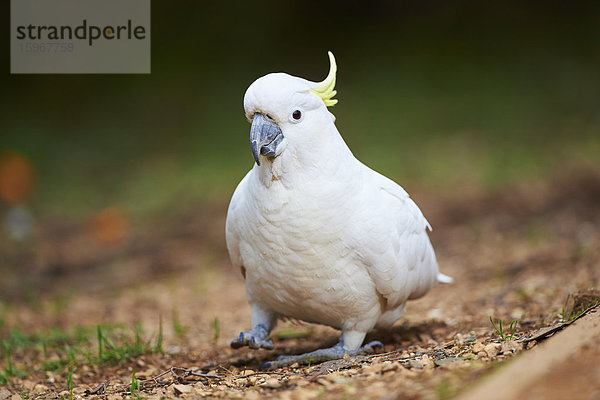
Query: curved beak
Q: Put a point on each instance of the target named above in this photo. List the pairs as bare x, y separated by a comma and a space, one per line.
265, 136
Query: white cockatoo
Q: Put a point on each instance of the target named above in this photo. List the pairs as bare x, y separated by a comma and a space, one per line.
319, 236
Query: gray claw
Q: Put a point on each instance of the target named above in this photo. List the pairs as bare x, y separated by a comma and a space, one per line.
370, 347
321, 355
266, 366
255, 339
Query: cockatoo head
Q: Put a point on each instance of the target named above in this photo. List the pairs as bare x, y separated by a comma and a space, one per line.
289, 113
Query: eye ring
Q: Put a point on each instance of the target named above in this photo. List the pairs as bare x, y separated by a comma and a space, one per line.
297, 115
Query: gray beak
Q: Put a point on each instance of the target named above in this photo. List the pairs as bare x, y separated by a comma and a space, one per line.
265, 136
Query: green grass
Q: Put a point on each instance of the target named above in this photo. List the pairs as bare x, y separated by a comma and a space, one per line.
116, 350
178, 328
64, 344
510, 334
216, 330
58, 350
158, 344
10, 370
69, 384
25, 394
135, 386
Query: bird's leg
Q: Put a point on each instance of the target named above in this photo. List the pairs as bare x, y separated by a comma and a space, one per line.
262, 323
348, 344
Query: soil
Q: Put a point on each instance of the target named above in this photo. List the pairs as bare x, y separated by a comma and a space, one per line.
514, 254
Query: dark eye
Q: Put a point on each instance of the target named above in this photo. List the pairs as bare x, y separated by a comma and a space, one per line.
297, 114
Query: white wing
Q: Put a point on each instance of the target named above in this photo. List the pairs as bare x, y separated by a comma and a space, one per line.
393, 242
235, 222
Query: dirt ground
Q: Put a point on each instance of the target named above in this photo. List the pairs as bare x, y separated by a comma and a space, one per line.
515, 254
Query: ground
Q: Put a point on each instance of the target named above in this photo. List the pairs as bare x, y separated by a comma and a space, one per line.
528, 253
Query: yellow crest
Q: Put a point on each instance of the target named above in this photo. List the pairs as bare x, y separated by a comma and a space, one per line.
325, 90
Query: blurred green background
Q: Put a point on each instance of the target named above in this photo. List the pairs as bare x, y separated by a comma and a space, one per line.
436, 94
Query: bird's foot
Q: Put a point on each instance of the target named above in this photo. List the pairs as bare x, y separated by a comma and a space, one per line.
318, 356
255, 339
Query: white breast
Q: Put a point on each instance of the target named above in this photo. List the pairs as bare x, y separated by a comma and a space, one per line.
297, 260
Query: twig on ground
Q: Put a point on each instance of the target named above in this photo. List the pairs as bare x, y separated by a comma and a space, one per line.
336, 365
99, 389
264, 373
178, 375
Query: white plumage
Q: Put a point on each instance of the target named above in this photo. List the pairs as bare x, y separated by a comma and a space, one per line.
319, 236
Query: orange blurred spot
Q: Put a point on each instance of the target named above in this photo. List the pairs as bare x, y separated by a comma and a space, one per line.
17, 178
109, 226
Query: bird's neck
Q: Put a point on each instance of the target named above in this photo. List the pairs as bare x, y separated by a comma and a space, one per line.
297, 166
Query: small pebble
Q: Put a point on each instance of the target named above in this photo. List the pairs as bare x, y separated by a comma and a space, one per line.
182, 389
492, 349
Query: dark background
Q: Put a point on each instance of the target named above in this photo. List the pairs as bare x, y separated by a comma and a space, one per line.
434, 94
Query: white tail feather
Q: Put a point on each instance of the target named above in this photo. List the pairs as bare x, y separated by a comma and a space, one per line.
444, 278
